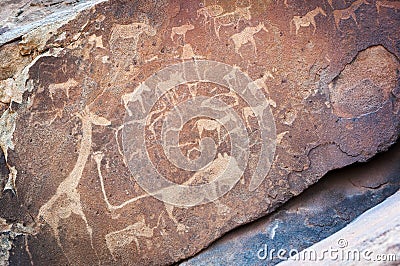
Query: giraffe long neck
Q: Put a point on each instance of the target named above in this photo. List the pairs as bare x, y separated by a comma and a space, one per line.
315, 12
72, 181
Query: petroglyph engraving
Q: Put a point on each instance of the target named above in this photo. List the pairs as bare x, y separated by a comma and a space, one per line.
98, 157
181, 31
66, 200
118, 239
128, 50
231, 18
210, 11
307, 20
53, 88
344, 14
246, 36
221, 117
260, 82
134, 96
208, 124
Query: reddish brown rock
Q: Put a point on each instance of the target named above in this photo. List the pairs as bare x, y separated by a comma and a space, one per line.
91, 87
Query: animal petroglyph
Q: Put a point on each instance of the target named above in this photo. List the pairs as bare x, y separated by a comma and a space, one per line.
129, 31
210, 102
181, 30
344, 14
307, 20
214, 115
387, 4
118, 239
214, 170
66, 200
231, 18
98, 157
132, 233
260, 82
210, 11
135, 96
208, 124
246, 36
53, 88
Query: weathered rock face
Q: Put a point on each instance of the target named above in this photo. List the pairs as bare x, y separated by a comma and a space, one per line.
87, 134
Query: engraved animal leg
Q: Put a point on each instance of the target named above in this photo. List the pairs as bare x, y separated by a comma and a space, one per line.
216, 28
314, 25
337, 20
297, 28
253, 42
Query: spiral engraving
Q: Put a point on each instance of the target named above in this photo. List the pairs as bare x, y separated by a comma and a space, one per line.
192, 129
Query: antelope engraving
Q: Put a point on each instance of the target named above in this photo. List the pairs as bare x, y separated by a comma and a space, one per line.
260, 82
210, 12
231, 18
246, 36
307, 20
130, 31
53, 88
118, 239
181, 30
344, 14
208, 124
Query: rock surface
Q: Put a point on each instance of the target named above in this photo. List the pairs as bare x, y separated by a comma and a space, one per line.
325, 95
320, 211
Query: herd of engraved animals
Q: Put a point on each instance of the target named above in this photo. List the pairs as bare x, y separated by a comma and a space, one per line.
219, 18
68, 191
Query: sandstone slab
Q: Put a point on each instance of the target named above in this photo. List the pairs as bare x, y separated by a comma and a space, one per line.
84, 176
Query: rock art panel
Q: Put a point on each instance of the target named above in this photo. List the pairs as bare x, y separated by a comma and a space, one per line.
139, 132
